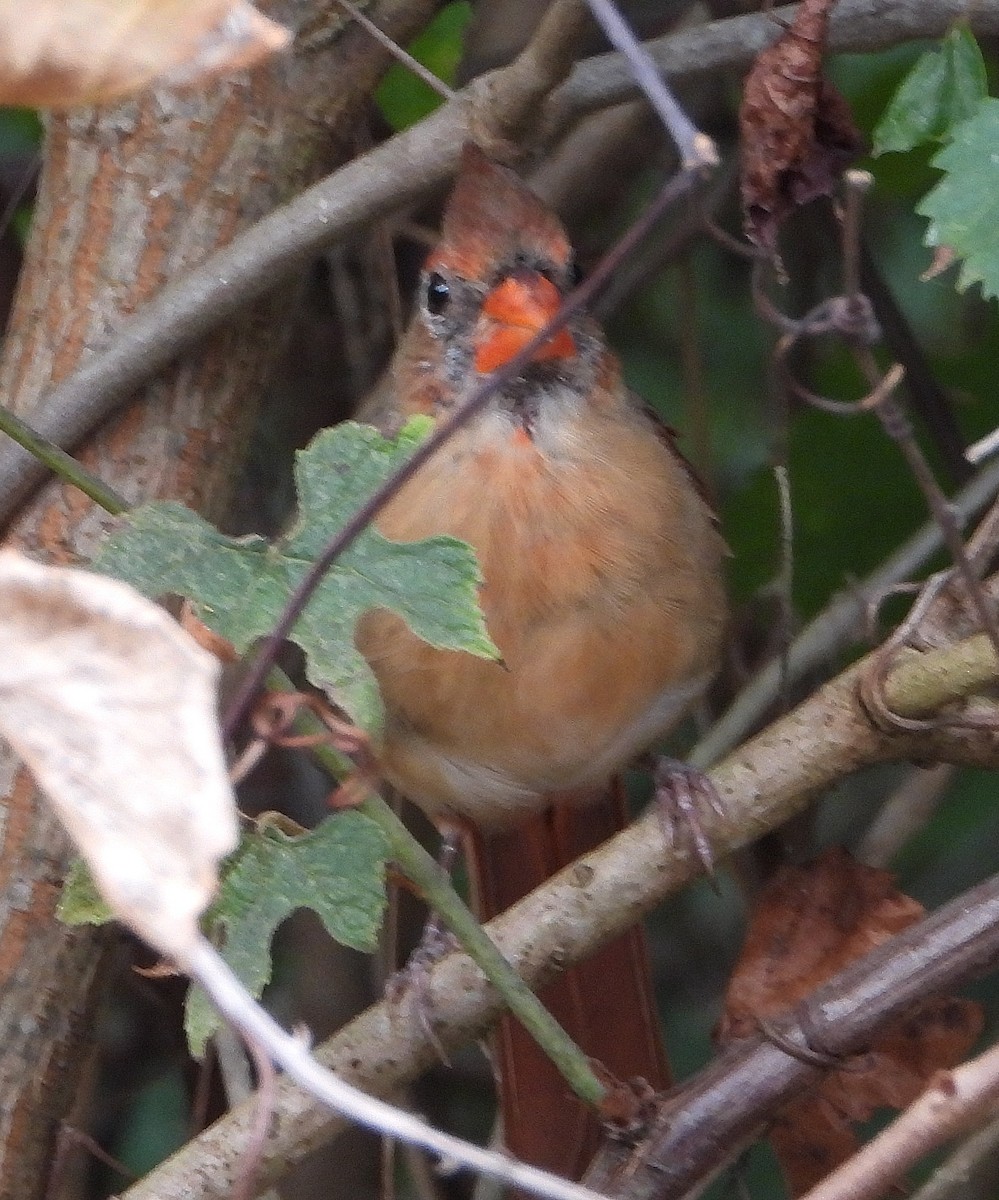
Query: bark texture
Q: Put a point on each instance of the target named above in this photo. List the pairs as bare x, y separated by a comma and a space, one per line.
129, 197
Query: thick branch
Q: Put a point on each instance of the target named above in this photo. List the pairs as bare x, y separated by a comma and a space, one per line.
855, 26
280, 243
402, 170
763, 784
841, 624
706, 1124
131, 196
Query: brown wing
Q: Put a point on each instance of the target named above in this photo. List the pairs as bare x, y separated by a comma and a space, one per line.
669, 437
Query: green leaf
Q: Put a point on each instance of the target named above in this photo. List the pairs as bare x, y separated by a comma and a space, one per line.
239, 586
81, 903
404, 98
338, 870
964, 206
944, 88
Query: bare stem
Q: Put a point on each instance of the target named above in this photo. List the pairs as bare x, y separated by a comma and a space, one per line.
397, 52
696, 149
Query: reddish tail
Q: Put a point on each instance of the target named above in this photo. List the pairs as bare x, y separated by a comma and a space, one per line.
606, 1004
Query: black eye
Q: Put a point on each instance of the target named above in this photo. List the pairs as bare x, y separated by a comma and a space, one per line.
575, 275
438, 293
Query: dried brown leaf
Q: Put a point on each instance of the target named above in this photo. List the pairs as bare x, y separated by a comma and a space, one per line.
60, 53
810, 923
112, 707
797, 130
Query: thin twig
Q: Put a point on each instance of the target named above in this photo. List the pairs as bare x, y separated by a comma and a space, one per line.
400, 172
929, 399
397, 52
766, 782
857, 185
955, 1102
244, 1187
898, 428
696, 149
64, 466
785, 578
667, 246
206, 965
984, 448
69, 1138
894, 420
904, 814
839, 625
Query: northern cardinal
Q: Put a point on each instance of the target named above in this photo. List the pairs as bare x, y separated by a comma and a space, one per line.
602, 589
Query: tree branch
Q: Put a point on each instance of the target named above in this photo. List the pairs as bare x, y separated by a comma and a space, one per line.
840, 624
401, 171
764, 783
131, 195
494, 108
954, 1102
715, 1115
855, 26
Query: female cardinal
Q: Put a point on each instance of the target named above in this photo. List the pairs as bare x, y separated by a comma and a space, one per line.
602, 590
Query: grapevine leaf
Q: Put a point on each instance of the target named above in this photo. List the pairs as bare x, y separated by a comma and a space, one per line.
338, 870
964, 206
944, 88
239, 586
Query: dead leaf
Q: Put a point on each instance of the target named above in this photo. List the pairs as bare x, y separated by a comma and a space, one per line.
61, 53
797, 132
112, 707
810, 923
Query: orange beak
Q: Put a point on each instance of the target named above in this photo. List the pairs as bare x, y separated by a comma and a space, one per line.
520, 307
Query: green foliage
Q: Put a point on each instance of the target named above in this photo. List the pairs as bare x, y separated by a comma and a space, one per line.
944, 98
337, 870
81, 903
157, 1124
239, 586
964, 206
944, 88
405, 99
20, 140
20, 131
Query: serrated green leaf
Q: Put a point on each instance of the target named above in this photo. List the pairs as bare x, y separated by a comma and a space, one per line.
944, 88
239, 586
964, 206
337, 870
81, 903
